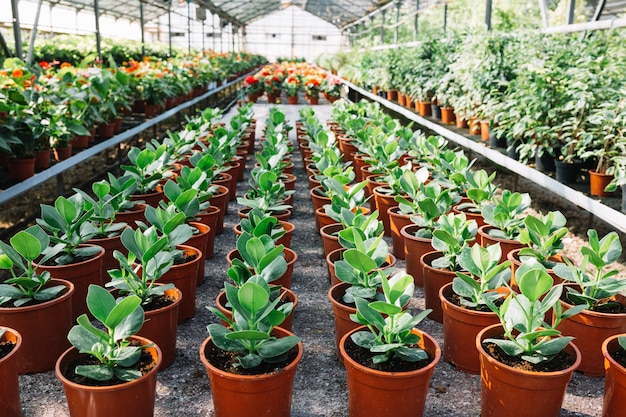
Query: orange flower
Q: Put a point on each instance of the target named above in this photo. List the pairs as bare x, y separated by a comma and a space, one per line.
65, 65
17, 73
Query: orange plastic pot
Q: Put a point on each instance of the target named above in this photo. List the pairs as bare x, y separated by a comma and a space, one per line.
10, 387
397, 221
135, 397
614, 402
598, 182
506, 391
460, 328
266, 394
82, 275
318, 198
199, 241
322, 219
184, 278
414, 248
373, 393
507, 245
220, 199
434, 279
109, 244
161, 326
210, 217
150, 199
341, 314
45, 324
280, 215
330, 238
131, 216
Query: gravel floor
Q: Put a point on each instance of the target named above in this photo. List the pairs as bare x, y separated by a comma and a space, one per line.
320, 390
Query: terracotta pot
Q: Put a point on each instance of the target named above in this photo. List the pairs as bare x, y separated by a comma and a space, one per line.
109, 244
397, 221
292, 99
131, 216
281, 215
322, 219
42, 160
284, 240
474, 126
184, 278
62, 153
135, 397
82, 275
234, 174
330, 239
151, 199
10, 388
106, 130
286, 294
470, 215
414, 249
284, 280
507, 245
341, 313
615, 382
408, 103
391, 95
289, 180
347, 147
199, 241
266, 394
161, 326
484, 131
401, 99
21, 168
79, 141
424, 108
45, 324
590, 329
461, 123
373, 393
506, 391
209, 217
598, 182
271, 98
220, 199
359, 161
118, 125
434, 279
151, 110
460, 328
447, 115
317, 197
373, 181
384, 201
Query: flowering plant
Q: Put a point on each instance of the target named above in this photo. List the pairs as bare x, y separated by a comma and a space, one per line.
312, 85
332, 86
292, 85
252, 84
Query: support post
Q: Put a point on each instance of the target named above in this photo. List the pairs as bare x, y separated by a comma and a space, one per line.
397, 29
571, 11
188, 25
17, 30
213, 31
445, 16
382, 28
415, 19
203, 36
96, 13
372, 29
4, 46
488, 9
143, 36
33, 34
544, 13
169, 27
232, 36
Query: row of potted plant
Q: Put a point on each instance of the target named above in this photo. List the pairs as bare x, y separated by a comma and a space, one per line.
539, 95
61, 106
158, 242
292, 78
523, 297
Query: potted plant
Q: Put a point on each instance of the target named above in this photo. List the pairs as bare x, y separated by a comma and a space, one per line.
147, 258
10, 344
37, 306
70, 257
613, 349
109, 367
292, 85
147, 167
523, 360
388, 361
465, 311
452, 233
595, 287
260, 354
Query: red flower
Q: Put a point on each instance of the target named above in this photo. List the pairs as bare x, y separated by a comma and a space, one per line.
44, 65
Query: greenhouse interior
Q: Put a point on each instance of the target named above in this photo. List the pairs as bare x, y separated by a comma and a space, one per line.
313, 208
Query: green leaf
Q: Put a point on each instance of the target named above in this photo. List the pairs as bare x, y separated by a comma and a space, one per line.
96, 372
100, 302
122, 310
276, 347
385, 308
26, 245
359, 260
535, 283
252, 297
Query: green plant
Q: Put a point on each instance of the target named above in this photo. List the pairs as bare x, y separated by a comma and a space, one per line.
258, 224
146, 166
452, 233
595, 284
104, 206
543, 235
147, 260
267, 193
67, 223
249, 332
485, 275
121, 189
429, 204
25, 284
505, 214
479, 188
116, 355
259, 257
389, 325
526, 334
